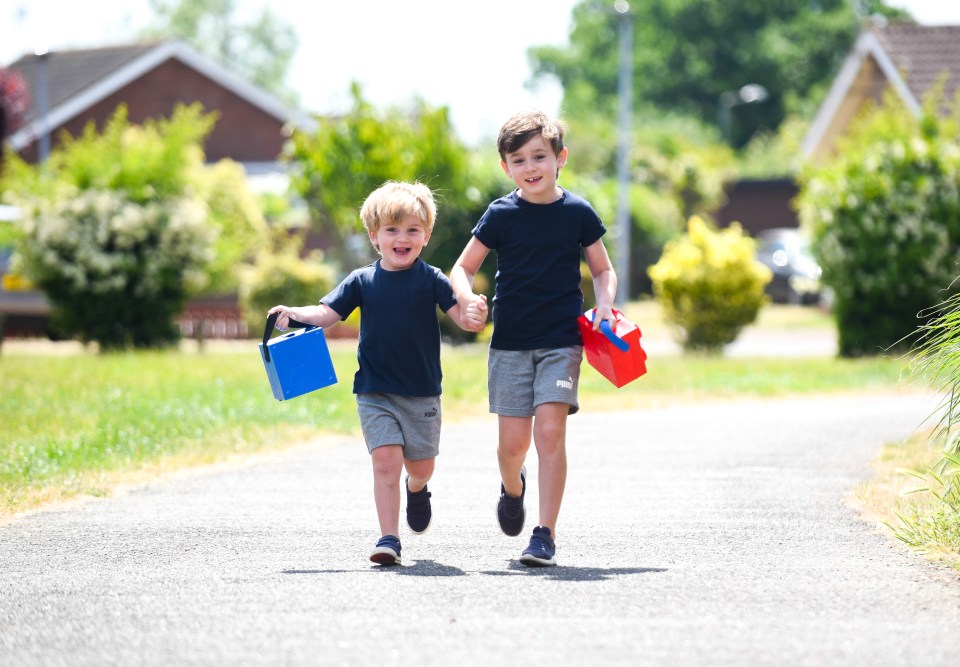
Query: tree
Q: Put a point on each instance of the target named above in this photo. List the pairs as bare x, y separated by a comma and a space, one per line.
687, 53
14, 100
260, 51
349, 156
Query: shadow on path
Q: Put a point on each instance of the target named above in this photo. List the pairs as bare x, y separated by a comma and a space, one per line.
516, 568
419, 568
429, 568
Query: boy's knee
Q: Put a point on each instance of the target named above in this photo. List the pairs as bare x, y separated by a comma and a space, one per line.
387, 460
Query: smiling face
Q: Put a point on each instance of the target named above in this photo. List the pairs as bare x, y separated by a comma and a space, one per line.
400, 243
534, 168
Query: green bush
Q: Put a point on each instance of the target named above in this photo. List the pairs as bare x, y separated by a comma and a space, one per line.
116, 272
118, 229
885, 216
282, 276
709, 285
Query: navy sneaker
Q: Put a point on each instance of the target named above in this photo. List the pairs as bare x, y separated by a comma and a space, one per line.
541, 551
387, 551
510, 511
419, 511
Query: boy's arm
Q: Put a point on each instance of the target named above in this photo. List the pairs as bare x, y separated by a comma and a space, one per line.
465, 269
604, 281
472, 307
320, 315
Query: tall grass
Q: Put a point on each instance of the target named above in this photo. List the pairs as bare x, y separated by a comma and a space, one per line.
935, 526
82, 423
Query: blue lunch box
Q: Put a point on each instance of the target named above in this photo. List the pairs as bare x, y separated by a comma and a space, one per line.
297, 362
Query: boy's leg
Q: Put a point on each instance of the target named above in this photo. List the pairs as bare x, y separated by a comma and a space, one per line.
387, 465
550, 438
512, 451
419, 510
419, 472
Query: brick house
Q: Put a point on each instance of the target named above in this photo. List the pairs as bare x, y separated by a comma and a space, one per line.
73, 87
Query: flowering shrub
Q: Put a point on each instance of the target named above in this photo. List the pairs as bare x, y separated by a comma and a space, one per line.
120, 225
709, 285
116, 272
885, 215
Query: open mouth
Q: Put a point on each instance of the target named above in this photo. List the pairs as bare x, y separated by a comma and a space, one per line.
401, 251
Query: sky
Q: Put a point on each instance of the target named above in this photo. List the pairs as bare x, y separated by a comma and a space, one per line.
470, 57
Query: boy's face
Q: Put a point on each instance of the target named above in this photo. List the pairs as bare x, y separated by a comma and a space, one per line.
400, 243
533, 167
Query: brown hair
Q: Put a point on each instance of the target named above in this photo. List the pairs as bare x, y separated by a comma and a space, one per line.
526, 125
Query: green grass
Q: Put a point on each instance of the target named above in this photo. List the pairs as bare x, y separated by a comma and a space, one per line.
81, 423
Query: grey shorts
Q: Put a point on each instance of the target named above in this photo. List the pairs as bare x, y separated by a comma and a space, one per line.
410, 421
520, 380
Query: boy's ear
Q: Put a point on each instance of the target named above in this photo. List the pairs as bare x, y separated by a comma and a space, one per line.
503, 165
562, 158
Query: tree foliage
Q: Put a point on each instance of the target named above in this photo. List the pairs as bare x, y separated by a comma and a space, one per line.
687, 53
885, 216
14, 101
677, 170
349, 156
260, 51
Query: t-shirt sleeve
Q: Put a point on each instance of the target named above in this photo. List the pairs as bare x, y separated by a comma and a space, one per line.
443, 291
591, 227
345, 297
485, 231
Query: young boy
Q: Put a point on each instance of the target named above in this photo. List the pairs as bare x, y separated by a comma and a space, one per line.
537, 231
398, 381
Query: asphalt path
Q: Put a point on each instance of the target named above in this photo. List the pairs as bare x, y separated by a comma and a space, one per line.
717, 533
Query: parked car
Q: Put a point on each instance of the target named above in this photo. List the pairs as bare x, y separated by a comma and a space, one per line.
796, 273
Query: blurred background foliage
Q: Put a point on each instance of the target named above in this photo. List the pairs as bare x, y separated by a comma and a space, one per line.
686, 55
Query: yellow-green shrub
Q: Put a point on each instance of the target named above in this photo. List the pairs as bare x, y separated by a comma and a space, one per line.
709, 285
283, 276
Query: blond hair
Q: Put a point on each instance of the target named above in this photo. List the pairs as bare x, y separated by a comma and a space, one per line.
395, 200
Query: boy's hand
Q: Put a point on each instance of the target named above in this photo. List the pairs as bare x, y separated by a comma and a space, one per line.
283, 320
475, 314
604, 313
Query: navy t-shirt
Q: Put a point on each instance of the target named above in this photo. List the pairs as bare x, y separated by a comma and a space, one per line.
538, 247
399, 347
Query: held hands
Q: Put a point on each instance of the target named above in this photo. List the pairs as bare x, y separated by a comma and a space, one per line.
475, 314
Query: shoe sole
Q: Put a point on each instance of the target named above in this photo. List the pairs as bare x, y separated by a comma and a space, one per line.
385, 556
420, 532
533, 561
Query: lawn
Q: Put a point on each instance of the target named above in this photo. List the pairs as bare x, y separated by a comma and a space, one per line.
73, 422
